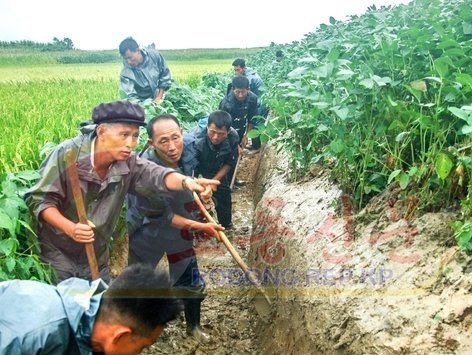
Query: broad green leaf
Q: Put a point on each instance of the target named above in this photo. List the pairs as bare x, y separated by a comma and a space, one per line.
464, 79
10, 264
6, 222
443, 165
321, 105
337, 146
332, 20
254, 133
448, 43
404, 180
344, 74
393, 175
466, 129
324, 71
467, 28
391, 102
413, 171
297, 116
454, 52
333, 54
367, 83
441, 65
298, 72
434, 78
28, 175
7, 246
9, 188
381, 81
342, 113
461, 113
419, 85
401, 136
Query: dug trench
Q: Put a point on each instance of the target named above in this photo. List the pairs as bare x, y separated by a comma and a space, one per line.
385, 279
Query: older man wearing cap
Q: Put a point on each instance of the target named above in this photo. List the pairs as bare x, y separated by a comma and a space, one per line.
108, 170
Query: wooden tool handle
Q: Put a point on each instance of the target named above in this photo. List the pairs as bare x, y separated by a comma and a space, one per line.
223, 236
79, 204
233, 179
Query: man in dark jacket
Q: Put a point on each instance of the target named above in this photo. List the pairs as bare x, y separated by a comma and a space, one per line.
150, 239
145, 74
108, 170
241, 104
217, 153
256, 85
78, 317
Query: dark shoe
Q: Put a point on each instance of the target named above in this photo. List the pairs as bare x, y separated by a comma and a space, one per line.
198, 334
229, 226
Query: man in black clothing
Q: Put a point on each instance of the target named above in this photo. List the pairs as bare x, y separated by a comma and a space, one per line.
217, 153
241, 104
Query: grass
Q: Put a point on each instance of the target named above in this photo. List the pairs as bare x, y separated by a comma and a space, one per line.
181, 70
26, 56
45, 103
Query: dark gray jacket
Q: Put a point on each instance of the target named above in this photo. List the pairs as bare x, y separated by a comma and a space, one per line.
144, 81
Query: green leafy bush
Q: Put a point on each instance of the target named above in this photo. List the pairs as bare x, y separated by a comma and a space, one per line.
18, 242
382, 98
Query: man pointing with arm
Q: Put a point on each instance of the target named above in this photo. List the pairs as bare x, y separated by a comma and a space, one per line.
108, 169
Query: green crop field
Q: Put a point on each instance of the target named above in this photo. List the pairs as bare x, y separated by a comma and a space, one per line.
44, 103
181, 70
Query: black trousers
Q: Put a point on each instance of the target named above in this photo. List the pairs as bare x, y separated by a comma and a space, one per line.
223, 202
188, 282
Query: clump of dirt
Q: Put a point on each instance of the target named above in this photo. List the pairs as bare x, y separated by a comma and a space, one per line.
379, 281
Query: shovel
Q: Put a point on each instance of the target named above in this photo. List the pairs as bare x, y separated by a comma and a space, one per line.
79, 204
263, 307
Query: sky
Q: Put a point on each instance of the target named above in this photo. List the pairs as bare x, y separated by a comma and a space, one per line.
173, 24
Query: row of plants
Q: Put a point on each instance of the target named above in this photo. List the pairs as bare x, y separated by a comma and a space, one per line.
383, 98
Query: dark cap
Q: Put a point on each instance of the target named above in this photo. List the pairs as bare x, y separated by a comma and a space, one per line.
121, 111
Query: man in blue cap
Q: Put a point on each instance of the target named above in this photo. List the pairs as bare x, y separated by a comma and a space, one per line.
108, 170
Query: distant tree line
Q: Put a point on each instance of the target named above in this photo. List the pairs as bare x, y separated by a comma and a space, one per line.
55, 45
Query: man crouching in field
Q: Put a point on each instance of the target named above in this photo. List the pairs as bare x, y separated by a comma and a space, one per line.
108, 170
78, 317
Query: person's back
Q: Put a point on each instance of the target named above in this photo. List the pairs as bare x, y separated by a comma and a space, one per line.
36, 317
81, 317
256, 85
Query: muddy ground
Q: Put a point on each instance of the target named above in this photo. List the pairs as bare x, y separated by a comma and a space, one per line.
228, 313
383, 280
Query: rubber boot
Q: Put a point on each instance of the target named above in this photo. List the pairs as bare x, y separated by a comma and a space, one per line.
192, 318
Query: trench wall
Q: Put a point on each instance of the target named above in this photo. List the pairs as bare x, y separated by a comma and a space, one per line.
354, 282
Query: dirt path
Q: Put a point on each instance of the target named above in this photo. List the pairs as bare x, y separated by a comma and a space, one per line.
228, 314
